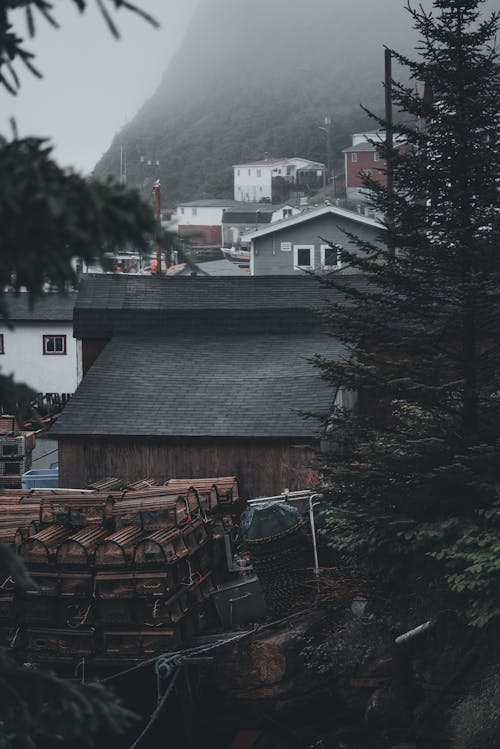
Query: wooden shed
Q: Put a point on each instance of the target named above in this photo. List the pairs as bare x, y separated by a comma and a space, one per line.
232, 360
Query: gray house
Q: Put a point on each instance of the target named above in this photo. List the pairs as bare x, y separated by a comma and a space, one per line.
301, 243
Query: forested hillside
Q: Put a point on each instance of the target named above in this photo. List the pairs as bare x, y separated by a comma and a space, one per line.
258, 77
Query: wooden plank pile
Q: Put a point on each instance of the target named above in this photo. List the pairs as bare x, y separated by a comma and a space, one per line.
119, 573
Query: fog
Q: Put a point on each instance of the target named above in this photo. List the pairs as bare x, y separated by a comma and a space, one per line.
92, 84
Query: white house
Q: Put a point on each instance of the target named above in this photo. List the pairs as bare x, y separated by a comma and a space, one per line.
40, 350
259, 179
211, 222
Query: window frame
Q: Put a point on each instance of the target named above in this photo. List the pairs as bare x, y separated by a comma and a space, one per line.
354, 157
45, 339
296, 248
322, 251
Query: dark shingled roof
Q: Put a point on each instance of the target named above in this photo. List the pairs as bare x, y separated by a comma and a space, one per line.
247, 217
48, 307
121, 305
202, 386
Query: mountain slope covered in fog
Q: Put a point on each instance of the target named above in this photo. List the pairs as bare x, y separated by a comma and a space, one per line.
254, 77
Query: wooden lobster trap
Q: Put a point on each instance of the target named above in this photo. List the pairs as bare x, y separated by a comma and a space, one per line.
195, 535
78, 549
40, 610
153, 584
40, 549
46, 584
117, 549
134, 643
106, 484
114, 585
6, 606
162, 611
76, 585
76, 511
156, 509
160, 548
60, 643
114, 611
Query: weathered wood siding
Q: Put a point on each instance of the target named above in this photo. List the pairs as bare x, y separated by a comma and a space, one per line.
265, 467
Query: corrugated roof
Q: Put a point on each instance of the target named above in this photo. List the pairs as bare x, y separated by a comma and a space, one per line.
202, 386
48, 307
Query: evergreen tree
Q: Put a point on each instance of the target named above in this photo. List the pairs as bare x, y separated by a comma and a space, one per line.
48, 216
414, 470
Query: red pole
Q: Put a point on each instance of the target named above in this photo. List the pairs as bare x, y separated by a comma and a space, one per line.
157, 196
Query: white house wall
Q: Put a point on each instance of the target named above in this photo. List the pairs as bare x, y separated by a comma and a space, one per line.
252, 183
199, 215
24, 357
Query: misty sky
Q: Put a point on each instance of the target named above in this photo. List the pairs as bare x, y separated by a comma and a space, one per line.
93, 84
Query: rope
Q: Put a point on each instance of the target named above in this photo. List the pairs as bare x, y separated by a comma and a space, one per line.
167, 669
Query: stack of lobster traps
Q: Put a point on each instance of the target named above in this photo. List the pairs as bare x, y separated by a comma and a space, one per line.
118, 573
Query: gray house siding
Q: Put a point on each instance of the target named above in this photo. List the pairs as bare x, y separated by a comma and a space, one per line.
276, 253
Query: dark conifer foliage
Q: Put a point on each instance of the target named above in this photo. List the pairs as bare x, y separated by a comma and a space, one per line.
414, 469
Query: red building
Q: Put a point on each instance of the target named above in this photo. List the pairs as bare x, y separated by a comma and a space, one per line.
363, 158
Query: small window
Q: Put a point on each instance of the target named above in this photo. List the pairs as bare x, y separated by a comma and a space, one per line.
303, 256
331, 256
238, 172
54, 344
182, 210
354, 157
195, 211
287, 212
249, 172
376, 156
289, 170
2, 349
259, 172
9, 451
12, 469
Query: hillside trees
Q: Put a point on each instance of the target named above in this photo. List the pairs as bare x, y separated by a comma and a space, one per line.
414, 471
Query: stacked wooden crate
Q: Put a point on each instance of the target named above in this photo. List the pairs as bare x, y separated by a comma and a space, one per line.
16, 447
118, 573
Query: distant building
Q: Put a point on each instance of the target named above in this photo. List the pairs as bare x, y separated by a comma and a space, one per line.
216, 223
363, 158
303, 242
40, 350
276, 179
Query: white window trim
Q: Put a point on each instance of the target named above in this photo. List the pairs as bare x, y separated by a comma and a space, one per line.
322, 250
354, 157
296, 249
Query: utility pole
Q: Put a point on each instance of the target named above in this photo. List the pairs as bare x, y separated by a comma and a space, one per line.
157, 202
326, 129
389, 138
389, 130
123, 165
